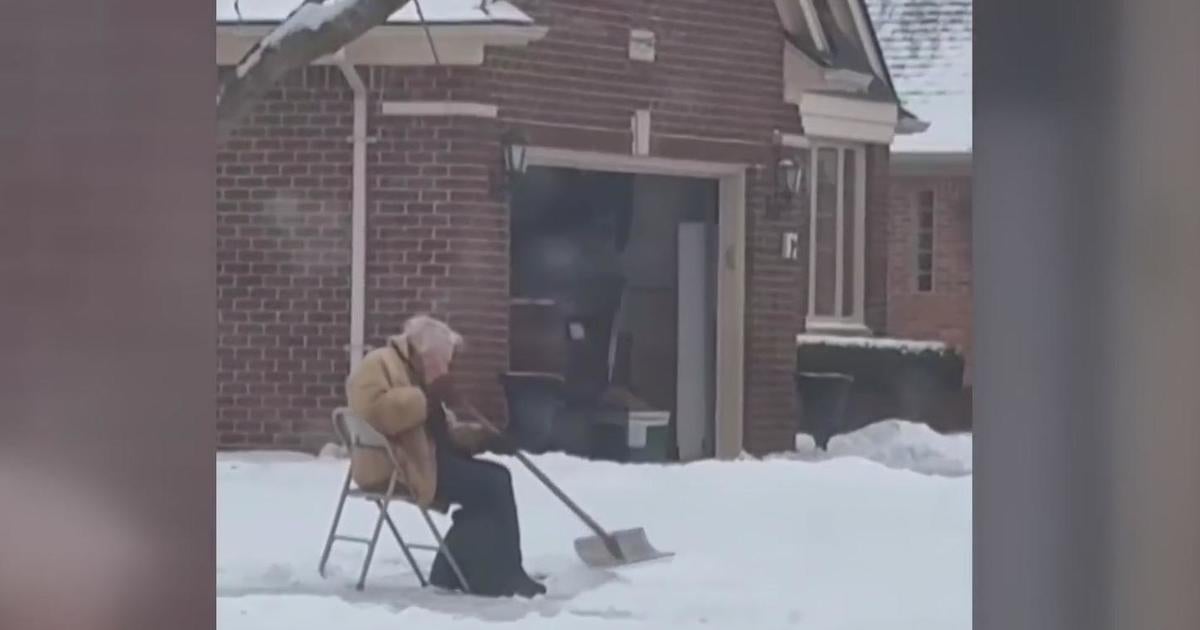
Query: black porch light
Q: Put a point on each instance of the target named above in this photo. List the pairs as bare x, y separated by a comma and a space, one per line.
788, 178
514, 149
791, 177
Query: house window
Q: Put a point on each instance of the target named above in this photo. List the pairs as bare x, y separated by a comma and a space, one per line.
837, 191
924, 260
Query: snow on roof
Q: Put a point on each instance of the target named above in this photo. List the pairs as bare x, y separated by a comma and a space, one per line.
928, 46
904, 345
436, 11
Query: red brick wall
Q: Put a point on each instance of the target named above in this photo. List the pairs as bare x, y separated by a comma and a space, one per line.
878, 279
717, 72
715, 93
437, 233
283, 190
944, 313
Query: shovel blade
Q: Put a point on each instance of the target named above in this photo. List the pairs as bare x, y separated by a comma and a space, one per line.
632, 544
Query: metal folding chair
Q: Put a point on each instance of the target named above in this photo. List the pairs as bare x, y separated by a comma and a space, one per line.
357, 435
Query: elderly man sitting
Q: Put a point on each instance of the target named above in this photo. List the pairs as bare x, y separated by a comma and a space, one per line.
405, 391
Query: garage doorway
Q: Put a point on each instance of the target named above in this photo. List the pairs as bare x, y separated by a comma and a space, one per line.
614, 285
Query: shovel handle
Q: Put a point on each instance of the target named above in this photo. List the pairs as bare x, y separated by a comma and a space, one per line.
609, 541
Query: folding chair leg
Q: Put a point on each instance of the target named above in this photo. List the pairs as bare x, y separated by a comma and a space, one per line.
412, 561
337, 517
446, 550
383, 514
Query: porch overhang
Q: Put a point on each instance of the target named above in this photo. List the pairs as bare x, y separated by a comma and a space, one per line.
846, 118
396, 44
833, 103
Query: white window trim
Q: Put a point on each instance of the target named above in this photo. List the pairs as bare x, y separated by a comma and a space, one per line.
856, 320
815, 28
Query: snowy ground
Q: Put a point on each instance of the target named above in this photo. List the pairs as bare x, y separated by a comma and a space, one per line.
836, 544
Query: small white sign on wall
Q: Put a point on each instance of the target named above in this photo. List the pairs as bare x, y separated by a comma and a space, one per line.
641, 45
791, 246
640, 126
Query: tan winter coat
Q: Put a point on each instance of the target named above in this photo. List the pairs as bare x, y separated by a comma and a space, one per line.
387, 394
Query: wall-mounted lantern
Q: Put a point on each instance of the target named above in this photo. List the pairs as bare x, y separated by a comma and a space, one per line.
791, 173
788, 179
514, 154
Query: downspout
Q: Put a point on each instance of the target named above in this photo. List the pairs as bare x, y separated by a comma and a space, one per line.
358, 212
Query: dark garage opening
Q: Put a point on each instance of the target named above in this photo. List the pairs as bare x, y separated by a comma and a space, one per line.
613, 314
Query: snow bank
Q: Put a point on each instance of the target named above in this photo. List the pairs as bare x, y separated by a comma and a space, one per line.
436, 11
762, 544
896, 444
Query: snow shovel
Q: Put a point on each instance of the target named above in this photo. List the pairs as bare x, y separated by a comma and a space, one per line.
605, 549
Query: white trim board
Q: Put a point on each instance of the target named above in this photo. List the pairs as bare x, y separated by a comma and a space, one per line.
863, 26
816, 30
439, 108
835, 117
731, 274
832, 115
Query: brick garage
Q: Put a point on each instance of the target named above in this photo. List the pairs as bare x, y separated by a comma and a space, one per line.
437, 229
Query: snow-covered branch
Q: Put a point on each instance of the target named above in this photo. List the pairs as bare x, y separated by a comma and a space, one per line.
313, 30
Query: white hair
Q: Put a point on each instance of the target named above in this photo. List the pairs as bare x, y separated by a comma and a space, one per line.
431, 335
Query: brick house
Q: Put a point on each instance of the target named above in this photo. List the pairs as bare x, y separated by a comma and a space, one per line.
712, 133
928, 44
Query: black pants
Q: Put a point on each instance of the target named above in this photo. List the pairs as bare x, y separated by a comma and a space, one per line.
485, 538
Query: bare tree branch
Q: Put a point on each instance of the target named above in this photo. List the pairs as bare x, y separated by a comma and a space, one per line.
313, 30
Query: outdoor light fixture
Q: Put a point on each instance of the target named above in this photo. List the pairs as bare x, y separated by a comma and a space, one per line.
789, 184
791, 175
514, 149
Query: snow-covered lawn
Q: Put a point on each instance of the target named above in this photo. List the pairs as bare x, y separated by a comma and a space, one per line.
835, 544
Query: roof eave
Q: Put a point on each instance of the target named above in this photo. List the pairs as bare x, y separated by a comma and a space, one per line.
392, 44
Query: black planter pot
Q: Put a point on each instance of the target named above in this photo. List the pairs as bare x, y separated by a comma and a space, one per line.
823, 399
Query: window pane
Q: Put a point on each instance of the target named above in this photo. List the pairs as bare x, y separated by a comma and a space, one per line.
925, 209
924, 262
925, 283
826, 232
849, 208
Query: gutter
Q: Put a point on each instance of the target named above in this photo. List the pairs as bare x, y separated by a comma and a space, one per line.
358, 213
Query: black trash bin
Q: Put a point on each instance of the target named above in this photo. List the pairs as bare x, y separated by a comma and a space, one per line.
535, 401
823, 397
